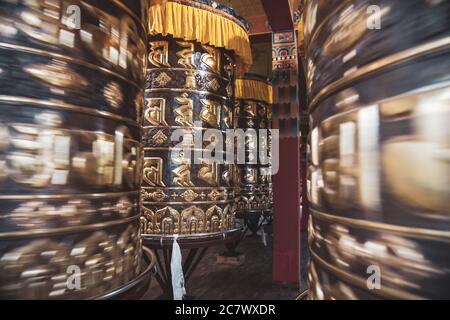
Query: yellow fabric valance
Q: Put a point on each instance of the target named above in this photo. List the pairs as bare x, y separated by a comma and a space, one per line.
191, 23
254, 90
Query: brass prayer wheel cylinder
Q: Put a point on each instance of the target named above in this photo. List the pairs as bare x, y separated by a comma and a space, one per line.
71, 98
188, 191
253, 111
379, 179
189, 88
343, 37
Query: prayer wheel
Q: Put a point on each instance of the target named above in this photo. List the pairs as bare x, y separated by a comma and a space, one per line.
379, 174
72, 79
188, 191
346, 37
253, 115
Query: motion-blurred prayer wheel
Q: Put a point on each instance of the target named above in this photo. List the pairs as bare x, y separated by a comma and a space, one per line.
253, 115
379, 176
188, 191
71, 97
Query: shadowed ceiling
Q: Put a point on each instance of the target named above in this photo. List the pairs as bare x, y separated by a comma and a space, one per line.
281, 14
252, 11
245, 8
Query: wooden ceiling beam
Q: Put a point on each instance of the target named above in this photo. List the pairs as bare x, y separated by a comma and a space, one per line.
278, 14
261, 37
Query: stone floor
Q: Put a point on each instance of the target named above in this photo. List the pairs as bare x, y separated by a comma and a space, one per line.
250, 281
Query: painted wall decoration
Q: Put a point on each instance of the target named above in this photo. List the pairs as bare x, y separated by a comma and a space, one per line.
285, 78
284, 50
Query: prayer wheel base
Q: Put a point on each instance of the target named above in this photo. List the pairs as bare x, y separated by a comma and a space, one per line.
154, 241
136, 288
197, 245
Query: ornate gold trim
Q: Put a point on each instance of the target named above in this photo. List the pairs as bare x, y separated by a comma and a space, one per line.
198, 236
186, 90
186, 128
181, 149
162, 203
187, 70
184, 188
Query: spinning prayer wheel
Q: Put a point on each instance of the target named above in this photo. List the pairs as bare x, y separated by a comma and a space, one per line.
379, 175
343, 37
253, 112
71, 98
189, 106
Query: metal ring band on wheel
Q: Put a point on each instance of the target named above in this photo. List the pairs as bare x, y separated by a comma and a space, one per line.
138, 286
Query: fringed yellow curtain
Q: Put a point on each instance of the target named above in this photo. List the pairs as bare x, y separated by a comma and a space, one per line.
254, 89
189, 23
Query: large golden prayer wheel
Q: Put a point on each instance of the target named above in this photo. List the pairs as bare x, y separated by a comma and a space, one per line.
253, 112
71, 98
379, 175
190, 90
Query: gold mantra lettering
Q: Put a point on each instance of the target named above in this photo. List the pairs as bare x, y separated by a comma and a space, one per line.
184, 113
211, 59
182, 176
209, 173
153, 172
187, 55
155, 112
159, 54
210, 112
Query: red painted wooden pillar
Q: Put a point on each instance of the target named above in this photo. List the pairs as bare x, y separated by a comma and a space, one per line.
286, 223
286, 183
